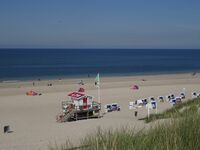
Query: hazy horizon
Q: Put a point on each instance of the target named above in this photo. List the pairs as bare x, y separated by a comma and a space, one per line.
173, 24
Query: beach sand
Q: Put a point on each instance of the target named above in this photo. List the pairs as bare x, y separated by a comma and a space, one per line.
33, 119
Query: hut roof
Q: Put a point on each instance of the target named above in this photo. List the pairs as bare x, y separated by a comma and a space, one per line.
76, 94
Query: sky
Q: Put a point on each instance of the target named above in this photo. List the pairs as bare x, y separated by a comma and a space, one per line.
100, 24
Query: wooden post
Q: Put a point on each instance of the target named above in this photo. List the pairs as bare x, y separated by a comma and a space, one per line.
99, 110
87, 113
148, 110
76, 114
156, 107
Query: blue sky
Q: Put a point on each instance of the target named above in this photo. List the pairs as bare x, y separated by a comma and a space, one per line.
99, 23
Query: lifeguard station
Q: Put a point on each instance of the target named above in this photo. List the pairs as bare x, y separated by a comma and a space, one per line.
79, 106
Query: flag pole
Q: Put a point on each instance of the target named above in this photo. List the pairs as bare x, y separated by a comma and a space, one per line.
99, 94
99, 98
97, 83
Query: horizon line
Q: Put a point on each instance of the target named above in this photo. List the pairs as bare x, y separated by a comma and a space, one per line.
100, 48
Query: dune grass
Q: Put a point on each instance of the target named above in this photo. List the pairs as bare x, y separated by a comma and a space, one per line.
190, 106
182, 132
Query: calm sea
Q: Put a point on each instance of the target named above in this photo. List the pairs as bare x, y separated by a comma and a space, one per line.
24, 64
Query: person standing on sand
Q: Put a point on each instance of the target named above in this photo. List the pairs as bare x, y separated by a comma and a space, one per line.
136, 113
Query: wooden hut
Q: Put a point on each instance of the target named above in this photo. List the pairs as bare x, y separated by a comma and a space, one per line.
79, 106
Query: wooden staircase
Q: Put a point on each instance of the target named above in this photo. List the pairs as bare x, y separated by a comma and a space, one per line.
69, 115
64, 117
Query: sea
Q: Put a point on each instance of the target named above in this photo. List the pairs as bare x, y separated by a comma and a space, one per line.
37, 64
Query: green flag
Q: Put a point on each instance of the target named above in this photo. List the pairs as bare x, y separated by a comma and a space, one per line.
97, 80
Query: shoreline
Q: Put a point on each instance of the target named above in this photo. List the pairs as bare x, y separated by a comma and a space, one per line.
68, 78
56, 77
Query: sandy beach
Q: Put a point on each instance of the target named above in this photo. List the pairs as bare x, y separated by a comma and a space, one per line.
33, 118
